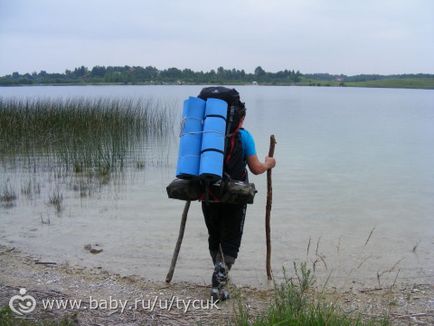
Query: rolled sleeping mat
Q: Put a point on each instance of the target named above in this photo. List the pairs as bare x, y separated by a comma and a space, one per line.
190, 138
213, 140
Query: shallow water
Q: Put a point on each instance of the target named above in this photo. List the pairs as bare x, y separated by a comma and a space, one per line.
350, 160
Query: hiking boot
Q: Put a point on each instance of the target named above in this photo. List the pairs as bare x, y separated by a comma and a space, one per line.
224, 294
219, 281
215, 294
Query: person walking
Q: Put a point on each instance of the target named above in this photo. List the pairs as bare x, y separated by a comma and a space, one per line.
225, 221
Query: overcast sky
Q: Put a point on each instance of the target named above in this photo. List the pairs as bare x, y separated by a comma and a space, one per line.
336, 36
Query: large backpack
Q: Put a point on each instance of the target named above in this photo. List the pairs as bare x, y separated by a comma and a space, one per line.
234, 186
234, 163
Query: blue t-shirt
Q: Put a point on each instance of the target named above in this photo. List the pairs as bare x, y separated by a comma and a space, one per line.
248, 143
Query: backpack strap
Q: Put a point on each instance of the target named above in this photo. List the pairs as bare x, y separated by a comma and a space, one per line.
231, 137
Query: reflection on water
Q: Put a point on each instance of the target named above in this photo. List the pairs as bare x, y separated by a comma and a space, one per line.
352, 163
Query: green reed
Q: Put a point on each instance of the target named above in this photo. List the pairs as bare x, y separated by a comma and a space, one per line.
80, 133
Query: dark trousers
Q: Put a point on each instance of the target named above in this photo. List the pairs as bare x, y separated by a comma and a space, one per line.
225, 224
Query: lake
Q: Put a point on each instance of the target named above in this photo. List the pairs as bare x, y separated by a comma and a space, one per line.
353, 191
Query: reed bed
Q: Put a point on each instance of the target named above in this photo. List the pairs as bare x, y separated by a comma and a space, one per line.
80, 133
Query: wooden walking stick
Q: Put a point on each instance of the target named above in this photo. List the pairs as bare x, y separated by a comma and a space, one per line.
268, 209
178, 242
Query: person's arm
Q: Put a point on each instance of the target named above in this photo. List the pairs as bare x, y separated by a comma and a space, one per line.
257, 167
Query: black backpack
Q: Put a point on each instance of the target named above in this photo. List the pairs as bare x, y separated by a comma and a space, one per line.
234, 163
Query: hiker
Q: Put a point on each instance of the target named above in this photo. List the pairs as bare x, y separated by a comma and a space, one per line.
225, 221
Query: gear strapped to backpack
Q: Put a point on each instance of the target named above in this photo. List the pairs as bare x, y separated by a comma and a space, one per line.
194, 182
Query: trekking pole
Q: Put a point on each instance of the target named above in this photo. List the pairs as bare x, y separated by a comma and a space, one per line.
268, 210
178, 242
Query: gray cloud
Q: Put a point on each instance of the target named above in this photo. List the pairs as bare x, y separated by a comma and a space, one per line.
312, 36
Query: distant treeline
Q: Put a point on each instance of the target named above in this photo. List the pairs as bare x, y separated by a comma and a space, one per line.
152, 75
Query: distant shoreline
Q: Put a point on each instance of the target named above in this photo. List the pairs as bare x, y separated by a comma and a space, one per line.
136, 75
397, 84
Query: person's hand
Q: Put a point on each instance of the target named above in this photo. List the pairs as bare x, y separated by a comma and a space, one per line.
270, 162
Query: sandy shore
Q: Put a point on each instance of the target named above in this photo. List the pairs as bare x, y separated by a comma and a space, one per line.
404, 303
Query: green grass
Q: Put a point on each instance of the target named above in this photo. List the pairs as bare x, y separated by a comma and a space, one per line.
7, 318
7, 194
418, 83
314, 82
80, 134
295, 303
425, 83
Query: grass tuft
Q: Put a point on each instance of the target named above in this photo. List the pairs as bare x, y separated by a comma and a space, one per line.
8, 196
295, 303
7, 318
56, 200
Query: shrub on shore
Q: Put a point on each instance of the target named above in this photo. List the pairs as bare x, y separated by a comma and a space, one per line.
295, 303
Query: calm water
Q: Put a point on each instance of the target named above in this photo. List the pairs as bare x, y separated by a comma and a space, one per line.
349, 161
